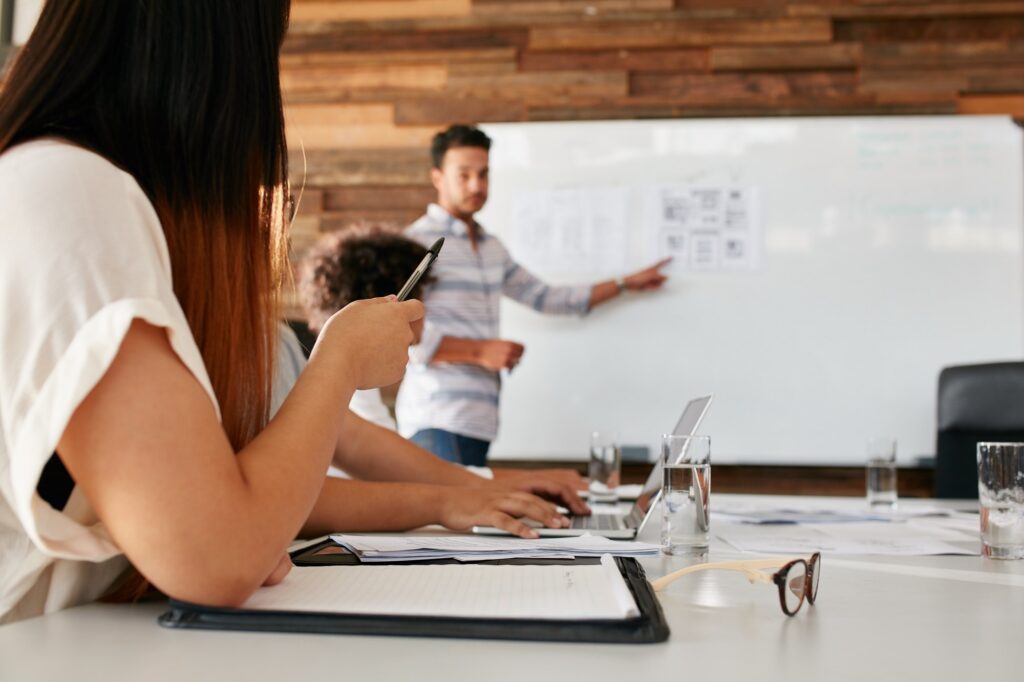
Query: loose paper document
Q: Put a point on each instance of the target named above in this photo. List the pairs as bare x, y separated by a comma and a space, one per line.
706, 227
572, 230
390, 548
813, 512
592, 592
848, 538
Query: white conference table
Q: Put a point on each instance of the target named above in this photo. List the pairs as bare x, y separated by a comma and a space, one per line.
887, 618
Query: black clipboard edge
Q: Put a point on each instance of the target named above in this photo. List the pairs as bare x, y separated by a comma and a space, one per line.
649, 628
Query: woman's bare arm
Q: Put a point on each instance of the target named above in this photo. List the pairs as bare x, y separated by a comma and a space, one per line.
200, 522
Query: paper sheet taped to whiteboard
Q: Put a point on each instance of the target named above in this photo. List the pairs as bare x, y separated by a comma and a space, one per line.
706, 228
579, 230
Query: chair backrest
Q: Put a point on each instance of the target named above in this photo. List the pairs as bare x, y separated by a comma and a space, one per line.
976, 403
307, 339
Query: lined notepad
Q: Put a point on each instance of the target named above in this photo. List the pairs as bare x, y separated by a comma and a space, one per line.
569, 592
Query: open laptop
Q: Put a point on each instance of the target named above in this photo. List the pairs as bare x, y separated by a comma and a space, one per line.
623, 526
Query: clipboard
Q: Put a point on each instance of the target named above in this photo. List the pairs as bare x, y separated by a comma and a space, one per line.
649, 627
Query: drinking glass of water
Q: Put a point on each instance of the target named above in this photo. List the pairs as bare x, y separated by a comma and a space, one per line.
686, 494
1001, 493
881, 474
605, 466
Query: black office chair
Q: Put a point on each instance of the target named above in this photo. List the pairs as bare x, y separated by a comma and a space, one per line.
977, 403
306, 337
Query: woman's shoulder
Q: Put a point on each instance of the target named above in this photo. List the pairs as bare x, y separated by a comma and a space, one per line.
54, 188
49, 161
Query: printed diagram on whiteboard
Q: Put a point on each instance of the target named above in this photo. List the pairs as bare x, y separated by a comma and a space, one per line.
706, 228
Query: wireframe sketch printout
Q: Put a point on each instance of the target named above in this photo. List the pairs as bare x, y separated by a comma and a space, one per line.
588, 592
706, 228
574, 230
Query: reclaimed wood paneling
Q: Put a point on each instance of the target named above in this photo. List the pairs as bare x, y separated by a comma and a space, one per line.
368, 82
788, 58
496, 8
337, 59
442, 111
348, 167
339, 220
951, 81
945, 30
541, 85
888, 10
942, 55
404, 40
763, 88
681, 33
414, 197
377, 77
648, 108
671, 60
992, 104
327, 10
350, 126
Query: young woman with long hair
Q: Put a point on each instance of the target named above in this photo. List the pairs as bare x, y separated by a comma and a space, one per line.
143, 171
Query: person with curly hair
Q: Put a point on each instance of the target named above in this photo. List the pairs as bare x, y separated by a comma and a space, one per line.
370, 260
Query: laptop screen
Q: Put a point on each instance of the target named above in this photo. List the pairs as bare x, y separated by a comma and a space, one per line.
687, 425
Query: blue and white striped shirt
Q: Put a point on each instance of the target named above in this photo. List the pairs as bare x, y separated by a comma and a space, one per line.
464, 302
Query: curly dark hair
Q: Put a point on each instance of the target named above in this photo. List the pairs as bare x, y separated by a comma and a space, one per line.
364, 261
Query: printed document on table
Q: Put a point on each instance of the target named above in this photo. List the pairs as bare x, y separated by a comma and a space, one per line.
896, 539
391, 548
590, 592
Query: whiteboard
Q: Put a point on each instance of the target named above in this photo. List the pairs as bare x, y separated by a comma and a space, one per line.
885, 249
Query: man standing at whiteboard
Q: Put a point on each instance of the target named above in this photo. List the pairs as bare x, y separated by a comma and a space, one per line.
448, 403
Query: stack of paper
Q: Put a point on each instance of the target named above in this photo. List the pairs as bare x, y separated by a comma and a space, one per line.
391, 548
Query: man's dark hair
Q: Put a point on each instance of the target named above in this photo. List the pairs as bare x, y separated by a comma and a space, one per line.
459, 135
364, 261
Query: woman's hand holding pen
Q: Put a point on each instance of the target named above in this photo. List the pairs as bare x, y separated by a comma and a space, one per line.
369, 340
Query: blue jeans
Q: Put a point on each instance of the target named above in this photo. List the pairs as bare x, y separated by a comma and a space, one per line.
452, 447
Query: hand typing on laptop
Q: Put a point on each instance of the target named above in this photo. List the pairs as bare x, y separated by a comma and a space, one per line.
510, 511
552, 490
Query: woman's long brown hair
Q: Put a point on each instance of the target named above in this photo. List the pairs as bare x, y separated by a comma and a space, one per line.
184, 95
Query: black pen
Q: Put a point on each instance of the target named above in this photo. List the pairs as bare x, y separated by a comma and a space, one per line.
421, 269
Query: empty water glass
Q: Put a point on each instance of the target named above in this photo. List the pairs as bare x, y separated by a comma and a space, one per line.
1001, 493
605, 466
881, 473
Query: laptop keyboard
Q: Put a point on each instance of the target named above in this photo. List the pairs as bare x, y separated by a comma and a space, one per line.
596, 522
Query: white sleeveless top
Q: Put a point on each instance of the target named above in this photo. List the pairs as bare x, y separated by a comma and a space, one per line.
82, 255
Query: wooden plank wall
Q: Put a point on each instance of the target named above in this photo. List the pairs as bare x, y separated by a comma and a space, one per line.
368, 82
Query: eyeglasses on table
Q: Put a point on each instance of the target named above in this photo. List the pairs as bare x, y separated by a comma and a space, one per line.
797, 579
